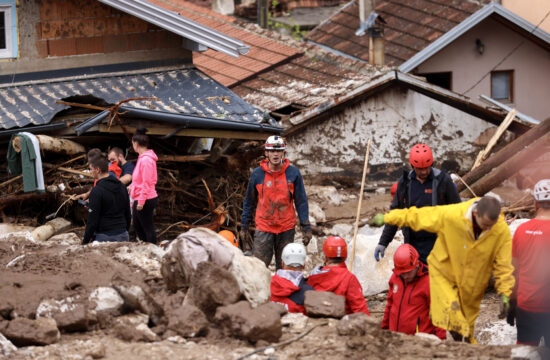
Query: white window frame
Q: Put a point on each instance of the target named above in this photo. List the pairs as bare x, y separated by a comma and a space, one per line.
8, 51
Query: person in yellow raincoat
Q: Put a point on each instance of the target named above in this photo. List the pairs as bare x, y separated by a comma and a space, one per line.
473, 239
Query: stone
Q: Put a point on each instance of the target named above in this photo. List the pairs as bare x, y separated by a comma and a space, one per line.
380, 191
213, 286
326, 193
242, 321
65, 239
131, 333
524, 352
6, 308
107, 301
135, 298
6, 347
253, 277
429, 337
295, 321
324, 304
70, 314
355, 324
26, 332
316, 212
146, 257
188, 321
132, 319
342, 230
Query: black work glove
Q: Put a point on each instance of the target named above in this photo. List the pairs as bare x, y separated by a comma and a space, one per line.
511, 316
243, 234
307, 235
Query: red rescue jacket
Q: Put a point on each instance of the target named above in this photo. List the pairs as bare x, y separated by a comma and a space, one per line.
408, 306
288, 288
338, 279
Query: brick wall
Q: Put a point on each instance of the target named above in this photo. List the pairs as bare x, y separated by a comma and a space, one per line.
76, 27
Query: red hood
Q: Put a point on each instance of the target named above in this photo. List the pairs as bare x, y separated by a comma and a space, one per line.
265, 167
282, 287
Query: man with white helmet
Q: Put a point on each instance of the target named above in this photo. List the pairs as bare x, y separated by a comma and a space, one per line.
530, 254
288, 285
275, 187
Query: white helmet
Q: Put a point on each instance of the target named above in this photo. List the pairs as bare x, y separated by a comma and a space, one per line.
294, 255
275, 142
542, 190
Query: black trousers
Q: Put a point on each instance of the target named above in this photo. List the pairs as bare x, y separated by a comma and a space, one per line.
143, 221
532, 326
265, 244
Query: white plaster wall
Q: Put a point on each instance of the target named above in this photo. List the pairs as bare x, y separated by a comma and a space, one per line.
395, 120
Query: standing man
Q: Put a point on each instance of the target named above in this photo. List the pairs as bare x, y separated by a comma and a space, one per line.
116, 155
423, 186
473, 240
109, 206
275, 187
530, 255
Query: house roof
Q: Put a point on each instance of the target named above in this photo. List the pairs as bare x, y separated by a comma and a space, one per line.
411, 26
321, 110
184, 91
181, 25
264, 53
492, 9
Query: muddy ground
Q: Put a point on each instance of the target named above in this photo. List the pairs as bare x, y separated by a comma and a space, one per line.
31, 273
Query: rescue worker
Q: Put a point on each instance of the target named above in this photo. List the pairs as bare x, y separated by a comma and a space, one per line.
423, 186
408, 303
288, 285
473, 240
530, 254
334, 276
275, 187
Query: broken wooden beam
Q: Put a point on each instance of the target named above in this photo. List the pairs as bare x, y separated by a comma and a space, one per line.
72, 171
15, 199
509, 167
505, 153
183, 158
52, 144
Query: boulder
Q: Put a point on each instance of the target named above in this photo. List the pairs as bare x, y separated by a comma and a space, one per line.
70, 314
106, 301
6, 308
135, 298
242, 321
213, 286
6, 347
130, 333
355, 324
188, 321
25, 332
324, 304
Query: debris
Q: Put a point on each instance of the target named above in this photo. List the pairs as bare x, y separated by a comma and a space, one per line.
324, 304
137, 299
355, 324
46, 231
132, 333
52, 144
325, 193
107, 301
188, 321
6, 347
70, 314
65, 239
25, 332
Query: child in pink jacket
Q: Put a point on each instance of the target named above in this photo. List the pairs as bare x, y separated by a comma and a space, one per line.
142, 189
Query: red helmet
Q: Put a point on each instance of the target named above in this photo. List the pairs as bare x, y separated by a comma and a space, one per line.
393, 189
335, 247
405, 259
421, 156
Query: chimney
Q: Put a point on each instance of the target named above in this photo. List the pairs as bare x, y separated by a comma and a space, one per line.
263, 13
224, 7
373, 24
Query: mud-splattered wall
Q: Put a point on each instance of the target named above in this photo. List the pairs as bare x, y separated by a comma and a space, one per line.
394, 119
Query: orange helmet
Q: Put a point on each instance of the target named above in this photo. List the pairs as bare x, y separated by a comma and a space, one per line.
421, 156
405, 259
393, 189
335, 247
229, 236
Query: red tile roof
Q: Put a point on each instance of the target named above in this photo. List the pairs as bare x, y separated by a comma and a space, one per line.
411, 26
264, 52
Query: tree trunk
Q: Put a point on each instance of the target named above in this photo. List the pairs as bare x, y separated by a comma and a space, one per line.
504, 154
10, 199
49, 229
56, 145
509, 167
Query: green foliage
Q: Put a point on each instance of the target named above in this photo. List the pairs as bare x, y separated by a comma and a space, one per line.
293, 30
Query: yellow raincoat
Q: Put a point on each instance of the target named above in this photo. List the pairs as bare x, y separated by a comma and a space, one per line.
460, 266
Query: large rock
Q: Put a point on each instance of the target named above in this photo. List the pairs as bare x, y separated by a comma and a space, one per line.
6, 347
6, 308
355, 324
147, 257
135, 298
213, 286
106, 301
242, 321
25, 332
70, 314
324, 304
188, 321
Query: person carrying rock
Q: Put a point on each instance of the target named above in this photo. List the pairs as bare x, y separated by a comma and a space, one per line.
473, 240
530, 257
423, 186
288, 285
335, 277
275, 187
109, 207
408, 302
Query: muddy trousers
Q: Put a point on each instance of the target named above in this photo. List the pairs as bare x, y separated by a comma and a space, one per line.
265, 244
143, 221
532, 327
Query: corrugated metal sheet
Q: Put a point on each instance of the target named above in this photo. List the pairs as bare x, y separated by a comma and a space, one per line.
185, 91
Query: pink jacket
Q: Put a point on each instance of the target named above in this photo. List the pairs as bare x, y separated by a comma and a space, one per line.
144, 178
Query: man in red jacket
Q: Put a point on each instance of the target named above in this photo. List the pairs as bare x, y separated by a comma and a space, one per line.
335, 276
408, 307
288, 285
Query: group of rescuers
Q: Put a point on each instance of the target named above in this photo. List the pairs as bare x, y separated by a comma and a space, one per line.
441, 271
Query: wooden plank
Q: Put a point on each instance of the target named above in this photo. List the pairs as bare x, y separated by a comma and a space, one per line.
203, 133
72, 171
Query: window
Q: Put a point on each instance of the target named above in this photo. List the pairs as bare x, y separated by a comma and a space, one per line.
502, 85
442, 79
7, 35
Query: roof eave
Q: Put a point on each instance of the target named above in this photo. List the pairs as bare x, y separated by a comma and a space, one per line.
180, 25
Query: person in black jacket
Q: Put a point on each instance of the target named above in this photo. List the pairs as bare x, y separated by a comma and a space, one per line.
422, 186
109, 206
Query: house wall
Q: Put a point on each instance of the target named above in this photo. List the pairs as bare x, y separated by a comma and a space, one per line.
532, 11
531, 65
59, 34
394, 119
